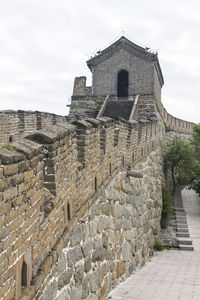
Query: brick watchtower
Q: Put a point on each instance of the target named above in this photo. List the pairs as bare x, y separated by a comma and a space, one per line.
122, 70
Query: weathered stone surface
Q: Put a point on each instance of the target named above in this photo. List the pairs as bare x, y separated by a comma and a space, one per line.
77, 235
87, 264
126, 251
86, 289
93, 228
93, 281
61, 263
78, 275
64, 278
106, 244
76, 293
63, 296
74, 255
120, 269
97, 242
105, 240
87, 247
101, 254
50, 291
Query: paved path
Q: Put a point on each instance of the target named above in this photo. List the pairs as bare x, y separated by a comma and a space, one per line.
172, 274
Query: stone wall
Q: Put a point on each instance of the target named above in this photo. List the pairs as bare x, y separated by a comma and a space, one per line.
49, 181
114, 237
15, 124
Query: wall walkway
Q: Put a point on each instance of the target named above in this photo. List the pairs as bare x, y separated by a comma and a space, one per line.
171, 274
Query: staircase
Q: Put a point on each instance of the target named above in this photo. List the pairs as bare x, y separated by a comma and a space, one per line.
176, 235
183, 235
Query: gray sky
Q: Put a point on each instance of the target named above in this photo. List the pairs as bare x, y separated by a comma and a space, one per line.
44, 44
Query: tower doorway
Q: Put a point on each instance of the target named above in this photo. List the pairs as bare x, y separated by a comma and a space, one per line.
122, 83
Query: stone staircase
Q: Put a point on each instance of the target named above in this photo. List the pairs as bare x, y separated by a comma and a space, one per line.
183, 235
176, 235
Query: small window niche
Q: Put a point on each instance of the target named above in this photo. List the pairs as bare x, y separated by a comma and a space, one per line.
68, 212
95, 184
24, 275
110, 168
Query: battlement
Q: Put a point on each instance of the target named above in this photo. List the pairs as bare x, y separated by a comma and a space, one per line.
15, 124
49, 180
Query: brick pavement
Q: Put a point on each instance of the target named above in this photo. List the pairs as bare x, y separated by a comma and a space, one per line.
171, 274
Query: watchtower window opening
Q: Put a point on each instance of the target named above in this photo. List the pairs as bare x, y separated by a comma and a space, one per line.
122, 83
68, 212
95, 184
24, 274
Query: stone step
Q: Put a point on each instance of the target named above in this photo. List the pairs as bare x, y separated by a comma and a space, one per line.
181, 221
179, 209
186, 247
180, 213
181, 225
183, 234
181, 218
182, 229
183, 241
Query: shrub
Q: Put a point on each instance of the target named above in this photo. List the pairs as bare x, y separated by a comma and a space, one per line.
158, 245
167, 192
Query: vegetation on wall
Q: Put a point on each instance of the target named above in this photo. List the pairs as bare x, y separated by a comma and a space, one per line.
178, 161
177, 170
194, 176
167, 194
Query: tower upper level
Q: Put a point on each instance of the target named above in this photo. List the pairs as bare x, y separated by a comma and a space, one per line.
123, 69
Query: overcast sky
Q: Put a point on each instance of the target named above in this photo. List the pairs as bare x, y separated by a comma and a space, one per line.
44, 45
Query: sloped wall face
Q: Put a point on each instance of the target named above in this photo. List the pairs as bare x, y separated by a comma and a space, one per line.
140, 74
49, 181
113, 238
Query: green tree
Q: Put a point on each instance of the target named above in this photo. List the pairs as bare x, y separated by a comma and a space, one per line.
194, 178
178, 160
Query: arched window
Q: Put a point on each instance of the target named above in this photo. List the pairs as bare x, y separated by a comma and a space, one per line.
24, 274
122, 83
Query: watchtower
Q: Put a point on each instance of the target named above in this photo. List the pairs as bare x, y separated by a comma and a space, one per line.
121, 71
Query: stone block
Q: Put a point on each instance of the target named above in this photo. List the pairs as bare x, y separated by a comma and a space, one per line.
63, 295
10, 169
120, 269
74, 255
10, 193
87, 247
65, 278
101, 254
50, 291
78, 275
38, 280
4, 232
46, 265
77, 235
104, 240
93, 281
5, 208
28, 293
4, 183
87, 264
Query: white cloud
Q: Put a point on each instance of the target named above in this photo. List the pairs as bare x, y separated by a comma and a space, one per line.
45, 44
